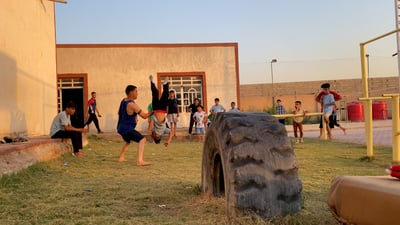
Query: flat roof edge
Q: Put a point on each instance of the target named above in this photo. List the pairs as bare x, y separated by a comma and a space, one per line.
153, 45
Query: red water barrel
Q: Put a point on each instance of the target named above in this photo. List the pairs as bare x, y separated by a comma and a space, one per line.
379, 110
355, 111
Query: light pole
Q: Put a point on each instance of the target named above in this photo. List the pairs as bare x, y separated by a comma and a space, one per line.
367, 55
272, 81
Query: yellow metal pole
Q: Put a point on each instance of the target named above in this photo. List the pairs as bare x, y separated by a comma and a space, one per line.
395, 129
364, 76
367, 103
368, 128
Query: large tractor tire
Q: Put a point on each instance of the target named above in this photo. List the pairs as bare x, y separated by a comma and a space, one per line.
249, 159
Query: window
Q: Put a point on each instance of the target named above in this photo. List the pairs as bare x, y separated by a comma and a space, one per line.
186, 88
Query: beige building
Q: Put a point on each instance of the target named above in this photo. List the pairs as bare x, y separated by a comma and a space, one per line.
203, 71
37, 77
28, 92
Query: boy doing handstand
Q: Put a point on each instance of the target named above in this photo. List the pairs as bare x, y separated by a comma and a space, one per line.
160, 111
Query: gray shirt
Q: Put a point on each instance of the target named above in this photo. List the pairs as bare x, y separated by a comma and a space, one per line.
217, 108
61, 120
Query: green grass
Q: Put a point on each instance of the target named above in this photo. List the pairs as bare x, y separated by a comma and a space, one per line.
97, 189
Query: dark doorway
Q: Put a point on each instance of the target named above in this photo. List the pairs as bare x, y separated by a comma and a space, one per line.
75, 95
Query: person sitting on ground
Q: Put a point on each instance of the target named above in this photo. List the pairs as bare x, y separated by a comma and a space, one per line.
62, 128
127, 120
160, 111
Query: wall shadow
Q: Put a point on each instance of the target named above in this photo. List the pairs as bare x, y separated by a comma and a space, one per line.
8, 98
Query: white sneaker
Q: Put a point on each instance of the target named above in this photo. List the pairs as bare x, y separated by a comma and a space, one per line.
297, 141
301, 140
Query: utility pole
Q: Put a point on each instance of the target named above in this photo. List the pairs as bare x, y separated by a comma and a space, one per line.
272, 82
396, 7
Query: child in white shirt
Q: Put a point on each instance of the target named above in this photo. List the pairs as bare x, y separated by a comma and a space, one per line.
200, 118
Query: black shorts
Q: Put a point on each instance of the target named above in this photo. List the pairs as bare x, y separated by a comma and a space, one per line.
132, 136
331, 121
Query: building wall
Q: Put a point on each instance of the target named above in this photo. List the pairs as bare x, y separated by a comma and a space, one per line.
257, 97
27, 67
110, 68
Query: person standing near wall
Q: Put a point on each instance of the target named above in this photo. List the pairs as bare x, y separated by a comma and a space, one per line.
91, 113
62, 128
200, 117
193, 110
216, 108
173, 112
233, 108
280, 110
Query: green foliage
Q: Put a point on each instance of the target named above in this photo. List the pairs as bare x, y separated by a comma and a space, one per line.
97, 189
271, 111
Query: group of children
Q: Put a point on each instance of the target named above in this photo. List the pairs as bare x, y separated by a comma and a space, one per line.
327, 99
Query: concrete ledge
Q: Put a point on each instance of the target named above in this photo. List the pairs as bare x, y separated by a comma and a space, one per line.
17, 156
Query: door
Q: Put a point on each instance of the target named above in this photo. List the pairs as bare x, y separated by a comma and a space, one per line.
73, 87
